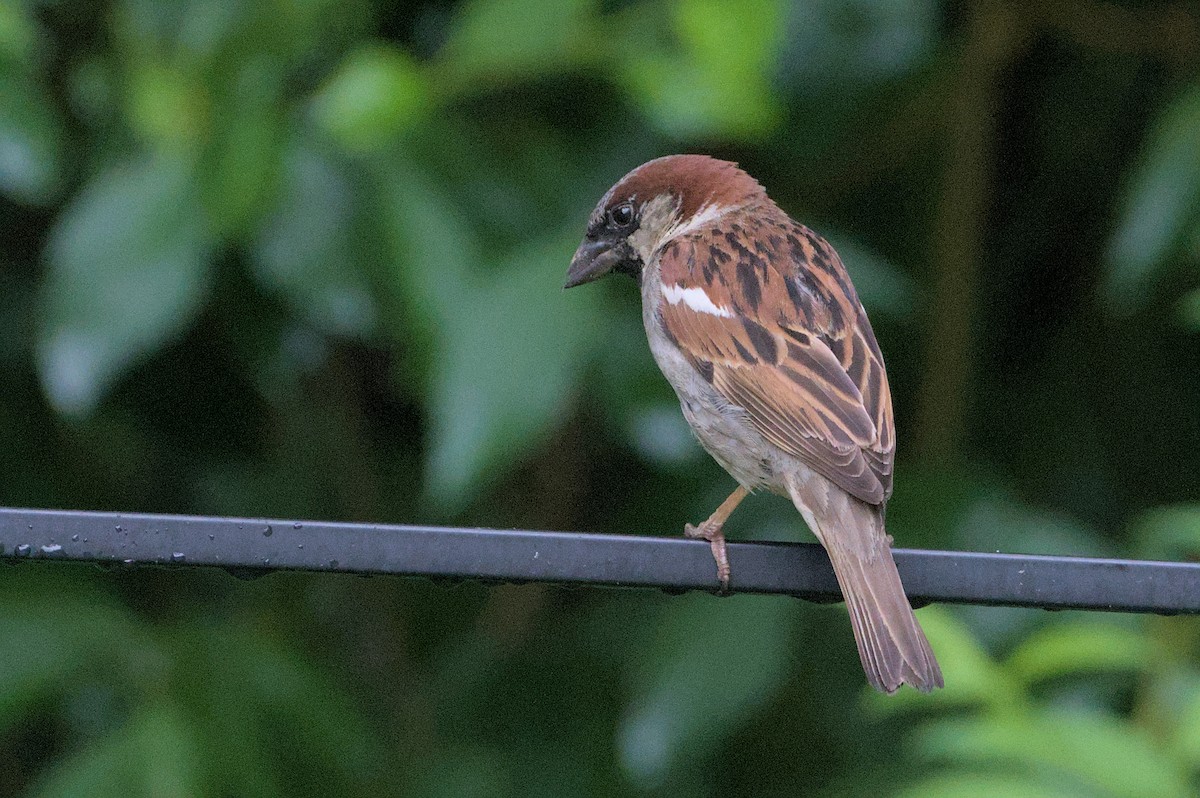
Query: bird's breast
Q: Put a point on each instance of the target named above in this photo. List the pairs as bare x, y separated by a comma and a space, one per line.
723, 429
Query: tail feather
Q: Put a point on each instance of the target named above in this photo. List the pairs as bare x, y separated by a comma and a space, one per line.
891, 644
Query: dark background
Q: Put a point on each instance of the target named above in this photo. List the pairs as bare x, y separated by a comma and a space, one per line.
305, 260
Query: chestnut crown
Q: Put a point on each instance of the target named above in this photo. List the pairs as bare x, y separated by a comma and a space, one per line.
657, 196
693, 180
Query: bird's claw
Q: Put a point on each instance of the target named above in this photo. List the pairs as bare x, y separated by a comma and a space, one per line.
716, 541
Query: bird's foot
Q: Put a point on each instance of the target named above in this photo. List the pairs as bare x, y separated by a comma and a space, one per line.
716, 540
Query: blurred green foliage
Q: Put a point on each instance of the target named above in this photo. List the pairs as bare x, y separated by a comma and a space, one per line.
304, 260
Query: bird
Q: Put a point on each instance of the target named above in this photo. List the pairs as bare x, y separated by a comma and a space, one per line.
753, 320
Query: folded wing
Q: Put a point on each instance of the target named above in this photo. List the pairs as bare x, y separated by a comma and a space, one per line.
789, 343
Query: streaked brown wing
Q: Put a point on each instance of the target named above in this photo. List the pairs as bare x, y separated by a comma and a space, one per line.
794, 348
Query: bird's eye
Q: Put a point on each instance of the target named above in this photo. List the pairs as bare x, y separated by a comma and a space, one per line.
622, 215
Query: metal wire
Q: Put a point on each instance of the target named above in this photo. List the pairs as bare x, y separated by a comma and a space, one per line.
672, 564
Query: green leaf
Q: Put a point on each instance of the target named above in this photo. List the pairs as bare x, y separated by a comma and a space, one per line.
720, 83
742, 39
662, 435
268, 718
432, 248
1103, 753
127, 272
1160, 203
984, 785
239, 744
508, 357
1185, 739
320, 719
432, 251
1001, 522
152, 755
833, 44
375, 94
306, 248
1189, 310
1169, 533
685, 100
497, 40
168, 105
714, 662
239, 169
1066, 649
31, 140
463, 317
18, 32
880, 284
50, 630
474, 772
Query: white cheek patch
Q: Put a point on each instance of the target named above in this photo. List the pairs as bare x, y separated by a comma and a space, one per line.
696, 299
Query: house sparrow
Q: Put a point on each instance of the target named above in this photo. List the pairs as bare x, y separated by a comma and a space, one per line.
753, 320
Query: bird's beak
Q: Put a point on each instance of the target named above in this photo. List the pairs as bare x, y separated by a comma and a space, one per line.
592, 260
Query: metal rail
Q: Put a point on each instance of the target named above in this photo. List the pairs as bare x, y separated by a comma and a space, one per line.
672, 564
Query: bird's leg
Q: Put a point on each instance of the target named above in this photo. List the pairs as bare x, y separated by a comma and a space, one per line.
710, 530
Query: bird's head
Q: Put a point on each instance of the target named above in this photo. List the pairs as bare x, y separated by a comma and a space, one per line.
653, 204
